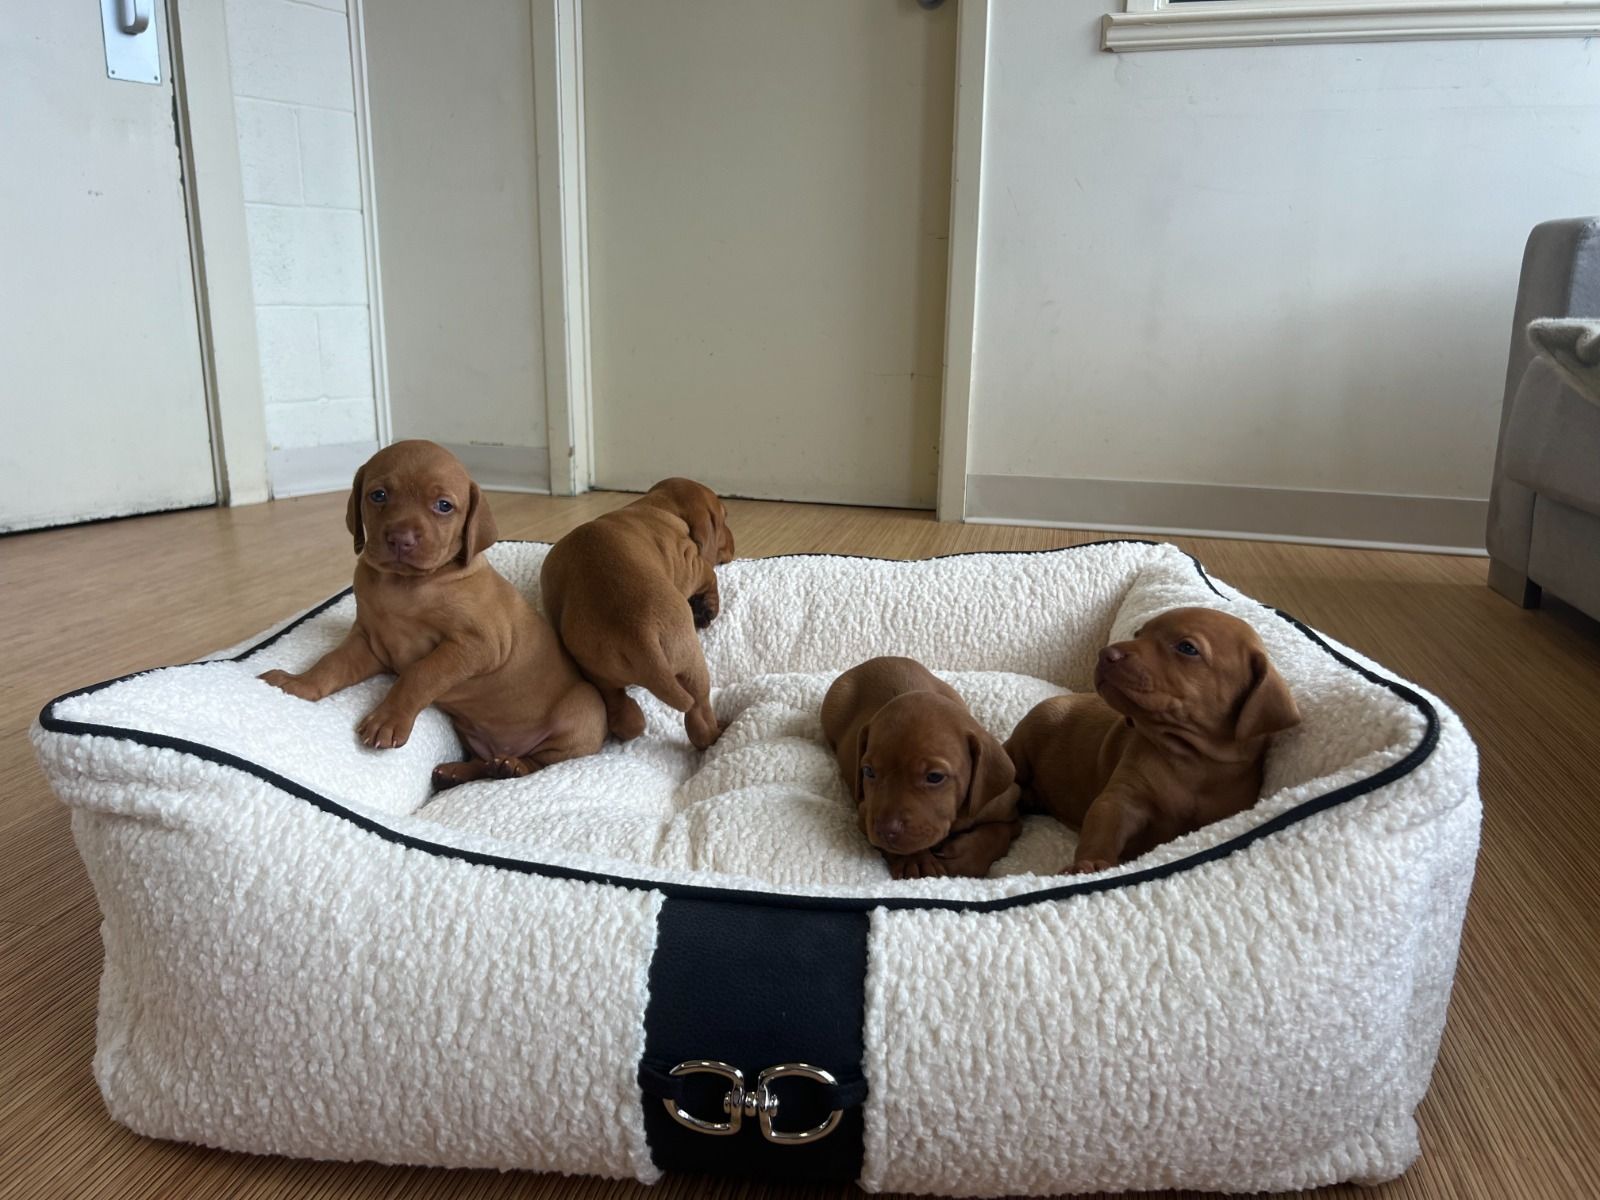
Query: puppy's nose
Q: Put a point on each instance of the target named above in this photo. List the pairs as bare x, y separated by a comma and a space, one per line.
401, 541
1112, 655
890, 829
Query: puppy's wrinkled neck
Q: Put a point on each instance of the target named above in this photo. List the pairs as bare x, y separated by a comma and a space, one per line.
1196, 746
449, 571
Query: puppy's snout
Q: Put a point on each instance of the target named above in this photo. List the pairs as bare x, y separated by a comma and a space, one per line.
1111, 655
889, 830
401, 541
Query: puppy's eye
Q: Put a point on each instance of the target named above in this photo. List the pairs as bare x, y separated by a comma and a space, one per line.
867, 772
377, 495
442, 506
934, 777
1188, 648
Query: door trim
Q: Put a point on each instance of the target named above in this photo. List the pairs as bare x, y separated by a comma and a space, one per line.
382, 422
219, 249
961, 295
560, 155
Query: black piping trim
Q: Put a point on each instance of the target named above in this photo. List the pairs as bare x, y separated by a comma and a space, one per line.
1306, 809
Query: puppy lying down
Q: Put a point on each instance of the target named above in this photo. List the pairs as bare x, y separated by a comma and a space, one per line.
1174, 738
933, 788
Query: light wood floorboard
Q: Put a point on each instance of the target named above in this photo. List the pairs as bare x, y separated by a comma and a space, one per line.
1514, 1111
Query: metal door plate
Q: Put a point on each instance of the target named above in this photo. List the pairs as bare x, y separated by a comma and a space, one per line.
131, 57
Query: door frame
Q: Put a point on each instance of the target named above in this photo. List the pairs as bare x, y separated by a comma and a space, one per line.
564, 262
219, 249
560, 154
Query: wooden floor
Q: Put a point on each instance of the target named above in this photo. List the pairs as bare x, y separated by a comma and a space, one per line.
1515, 1106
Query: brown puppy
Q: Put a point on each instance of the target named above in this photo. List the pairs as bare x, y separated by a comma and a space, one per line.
627, 591
933, 788
1174, 739
431, 609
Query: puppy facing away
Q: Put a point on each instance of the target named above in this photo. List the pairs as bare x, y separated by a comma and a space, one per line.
430, 609
933, 788
1174, 738
627, 590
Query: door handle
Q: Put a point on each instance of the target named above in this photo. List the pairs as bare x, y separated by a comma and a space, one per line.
133, 16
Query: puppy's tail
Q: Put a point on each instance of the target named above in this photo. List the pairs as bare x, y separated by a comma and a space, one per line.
656, 676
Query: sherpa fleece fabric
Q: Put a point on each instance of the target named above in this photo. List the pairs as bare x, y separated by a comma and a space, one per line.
306, 954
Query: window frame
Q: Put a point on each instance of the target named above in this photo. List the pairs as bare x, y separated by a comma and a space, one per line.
1196, 24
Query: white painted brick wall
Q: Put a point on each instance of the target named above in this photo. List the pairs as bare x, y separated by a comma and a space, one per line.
294, 100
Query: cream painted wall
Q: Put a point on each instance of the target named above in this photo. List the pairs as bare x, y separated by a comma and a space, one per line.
1288, 267
452, 127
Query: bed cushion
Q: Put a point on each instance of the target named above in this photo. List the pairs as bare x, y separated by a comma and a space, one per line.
308, 954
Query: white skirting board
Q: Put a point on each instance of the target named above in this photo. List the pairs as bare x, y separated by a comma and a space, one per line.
308, 470
505, 468
1277, 514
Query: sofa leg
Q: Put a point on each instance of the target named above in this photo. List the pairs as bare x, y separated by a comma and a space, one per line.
1514, 585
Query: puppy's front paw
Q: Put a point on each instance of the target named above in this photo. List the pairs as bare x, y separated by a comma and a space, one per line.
924, 864
295, 685
1089, 866
963, 855
385, 728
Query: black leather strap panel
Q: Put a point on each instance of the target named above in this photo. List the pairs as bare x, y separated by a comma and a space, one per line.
756, 987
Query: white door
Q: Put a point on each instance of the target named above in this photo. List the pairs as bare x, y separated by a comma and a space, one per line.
101, 387
769, 199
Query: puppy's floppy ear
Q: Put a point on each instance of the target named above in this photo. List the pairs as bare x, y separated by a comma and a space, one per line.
1267, 706
724, 535
480, 531
352, 510
857, 792
992, 774
701, 519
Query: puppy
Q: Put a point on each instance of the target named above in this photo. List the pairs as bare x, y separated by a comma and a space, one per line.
933, 788
430, 609
626, 592
1174, 738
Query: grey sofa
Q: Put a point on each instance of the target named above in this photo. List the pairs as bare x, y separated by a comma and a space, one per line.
1544, 508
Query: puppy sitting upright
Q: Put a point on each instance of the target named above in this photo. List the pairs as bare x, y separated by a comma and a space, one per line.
430, 609
1174, 740
933, 788
627, 591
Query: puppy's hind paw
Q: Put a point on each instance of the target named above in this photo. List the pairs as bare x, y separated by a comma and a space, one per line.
509, 768
453, 774
704, 608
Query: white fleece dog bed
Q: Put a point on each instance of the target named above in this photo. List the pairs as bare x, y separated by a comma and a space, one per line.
308, 955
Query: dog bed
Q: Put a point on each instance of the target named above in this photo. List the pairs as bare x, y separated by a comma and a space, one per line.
654, 959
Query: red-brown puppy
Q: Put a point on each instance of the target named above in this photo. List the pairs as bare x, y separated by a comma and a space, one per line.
627, 590
1174, 739
933, 788
430, 609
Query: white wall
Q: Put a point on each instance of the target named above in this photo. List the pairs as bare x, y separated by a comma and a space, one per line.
1282, 267
295, 109
452, 127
